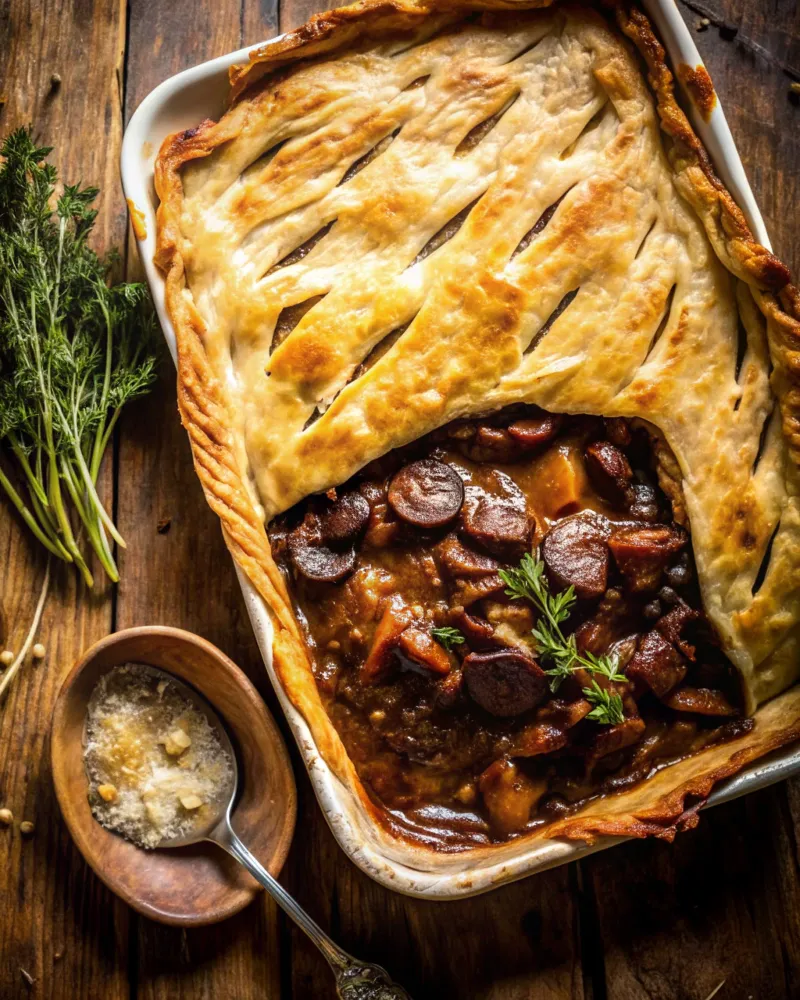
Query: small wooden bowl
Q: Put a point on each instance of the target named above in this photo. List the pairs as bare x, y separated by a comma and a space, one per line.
185, 886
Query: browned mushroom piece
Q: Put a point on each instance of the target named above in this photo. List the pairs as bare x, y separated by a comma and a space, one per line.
499, 524
657, 663
477, 631
701, 701
468, 591
457, 560
575, 553
321, 564
539, 738
427, 493
535, 432
674, 623
346, 518
618, 431
642, 554
313, 558
643, 503
609, 739
448, 688
609, 623
564, 714
609, 471
504, 682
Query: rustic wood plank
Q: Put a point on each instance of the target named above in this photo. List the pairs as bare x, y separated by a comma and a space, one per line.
762, 112
59, 924
184, 576
720, 904
297, 12
723, 903
520, 942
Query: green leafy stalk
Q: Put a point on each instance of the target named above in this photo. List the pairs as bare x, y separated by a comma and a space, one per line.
448, 636
528, 582
73, 351
607, 709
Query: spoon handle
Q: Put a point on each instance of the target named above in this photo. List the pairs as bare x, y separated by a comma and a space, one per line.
355, 980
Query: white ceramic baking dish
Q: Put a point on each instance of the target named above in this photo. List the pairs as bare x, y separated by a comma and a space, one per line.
181, 102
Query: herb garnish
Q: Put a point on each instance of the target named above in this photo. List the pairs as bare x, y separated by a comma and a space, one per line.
447, 636
527, 582
607, 709
73, 351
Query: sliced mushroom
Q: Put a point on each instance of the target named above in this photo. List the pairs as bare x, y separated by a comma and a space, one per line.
539, 738
468, 591
535, 432
477, 631
609, 471
313, 558
702, 701
609, 739
449, 688
642, 554
427, 493
458, 561
673, 624
575, 552
657, 663
499, 524
346, 519
395, 619
504, 682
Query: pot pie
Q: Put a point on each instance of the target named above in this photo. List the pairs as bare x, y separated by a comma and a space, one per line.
497, 399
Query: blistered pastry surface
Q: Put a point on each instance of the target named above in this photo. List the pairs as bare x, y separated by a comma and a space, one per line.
580, 279
600, 266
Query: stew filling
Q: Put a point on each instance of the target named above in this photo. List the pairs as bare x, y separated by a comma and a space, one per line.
504, 621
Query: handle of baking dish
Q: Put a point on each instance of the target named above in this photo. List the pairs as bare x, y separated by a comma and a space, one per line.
355, 980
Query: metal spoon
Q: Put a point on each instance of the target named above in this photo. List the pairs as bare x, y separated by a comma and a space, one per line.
355, 980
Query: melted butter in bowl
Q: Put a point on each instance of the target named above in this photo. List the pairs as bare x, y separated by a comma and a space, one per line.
157, 769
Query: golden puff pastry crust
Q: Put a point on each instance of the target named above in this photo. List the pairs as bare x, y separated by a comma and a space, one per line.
415, 212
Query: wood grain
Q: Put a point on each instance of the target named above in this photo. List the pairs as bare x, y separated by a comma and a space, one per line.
197, 884
520, 942
59, 925
184, 577
721, 904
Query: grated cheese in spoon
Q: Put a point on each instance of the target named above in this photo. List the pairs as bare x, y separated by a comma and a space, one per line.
154, 763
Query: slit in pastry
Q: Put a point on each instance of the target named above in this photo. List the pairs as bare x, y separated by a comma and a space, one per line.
543, 330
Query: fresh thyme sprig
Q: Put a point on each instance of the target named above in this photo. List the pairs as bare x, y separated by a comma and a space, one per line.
73, 351
448, 636
607, 709
528, 582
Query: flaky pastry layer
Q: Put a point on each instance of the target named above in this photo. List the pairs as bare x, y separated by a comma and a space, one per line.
414, 212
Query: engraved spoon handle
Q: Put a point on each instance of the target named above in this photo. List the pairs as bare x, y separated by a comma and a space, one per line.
355, 980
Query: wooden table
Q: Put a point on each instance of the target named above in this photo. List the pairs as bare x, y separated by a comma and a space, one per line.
718, 909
